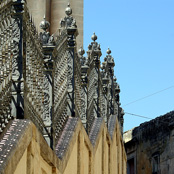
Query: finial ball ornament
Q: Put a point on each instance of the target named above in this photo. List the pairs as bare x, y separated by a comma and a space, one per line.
81, 51
94, 37
44, 25
108, 51
114, 78
68, 10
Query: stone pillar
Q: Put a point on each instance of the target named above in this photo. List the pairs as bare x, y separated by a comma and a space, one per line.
48, 10
37, 9
77, 7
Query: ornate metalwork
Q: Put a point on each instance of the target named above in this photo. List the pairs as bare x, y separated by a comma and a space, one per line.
66, 75
36, 96
84, 81
94, 87
60, 86
68, 21
11, 83
21, 60
108, 82
45, 37
44, 79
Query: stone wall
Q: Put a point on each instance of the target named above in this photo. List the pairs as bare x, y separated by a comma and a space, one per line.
150, 146
28, 153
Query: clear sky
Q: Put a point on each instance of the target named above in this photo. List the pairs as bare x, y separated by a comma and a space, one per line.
140, 34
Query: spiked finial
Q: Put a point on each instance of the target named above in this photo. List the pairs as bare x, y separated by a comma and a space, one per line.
68, 10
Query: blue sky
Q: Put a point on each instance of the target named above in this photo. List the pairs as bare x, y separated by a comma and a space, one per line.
140, 34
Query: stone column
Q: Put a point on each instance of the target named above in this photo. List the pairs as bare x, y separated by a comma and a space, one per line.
77, 7
48, 10
37, 9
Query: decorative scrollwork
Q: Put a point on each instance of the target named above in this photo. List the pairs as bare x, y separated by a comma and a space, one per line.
57, 85
15, 49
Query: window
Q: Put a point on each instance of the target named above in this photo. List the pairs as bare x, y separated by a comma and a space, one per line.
130, 166
155, 164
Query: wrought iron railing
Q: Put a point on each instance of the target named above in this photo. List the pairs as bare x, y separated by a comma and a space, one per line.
42, 78
7, 54
21, 62
60, 84
33, 72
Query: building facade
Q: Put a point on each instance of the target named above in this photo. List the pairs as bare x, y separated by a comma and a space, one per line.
59, 110
149, 147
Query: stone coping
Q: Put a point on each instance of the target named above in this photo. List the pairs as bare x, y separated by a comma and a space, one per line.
22, 132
